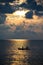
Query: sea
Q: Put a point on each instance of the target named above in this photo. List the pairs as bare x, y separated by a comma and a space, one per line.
21, 52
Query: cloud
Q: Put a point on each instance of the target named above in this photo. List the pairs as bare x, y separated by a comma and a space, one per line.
7, 32
18, 27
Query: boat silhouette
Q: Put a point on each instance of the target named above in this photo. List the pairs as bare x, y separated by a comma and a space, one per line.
26, 48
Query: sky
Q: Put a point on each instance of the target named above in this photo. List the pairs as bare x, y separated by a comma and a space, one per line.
21, 28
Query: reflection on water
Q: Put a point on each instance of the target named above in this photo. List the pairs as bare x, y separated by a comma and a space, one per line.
10, 55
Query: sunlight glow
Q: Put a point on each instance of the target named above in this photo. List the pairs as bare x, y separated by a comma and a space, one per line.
20, 13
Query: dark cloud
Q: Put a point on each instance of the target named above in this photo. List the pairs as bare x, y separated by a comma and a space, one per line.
2, 18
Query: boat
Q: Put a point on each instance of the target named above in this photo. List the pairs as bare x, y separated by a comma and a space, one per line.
26, 48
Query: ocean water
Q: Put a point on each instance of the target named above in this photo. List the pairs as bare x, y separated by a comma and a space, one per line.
11, 55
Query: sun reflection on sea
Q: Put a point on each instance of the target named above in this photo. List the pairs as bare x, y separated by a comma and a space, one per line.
20, 57
19, 42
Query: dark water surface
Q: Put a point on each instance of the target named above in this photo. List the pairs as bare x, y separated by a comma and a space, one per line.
10, 55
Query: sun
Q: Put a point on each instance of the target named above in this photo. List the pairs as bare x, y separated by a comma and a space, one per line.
20, 13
